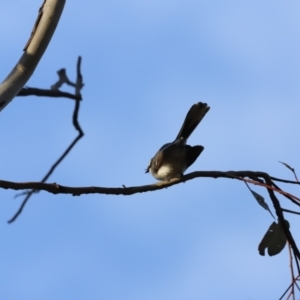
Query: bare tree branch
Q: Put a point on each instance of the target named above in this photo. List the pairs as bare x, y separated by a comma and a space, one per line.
286, 195
281, 219
44, 27
239, 175
28, 91
291, 211
55, 188
54, 90
78, 86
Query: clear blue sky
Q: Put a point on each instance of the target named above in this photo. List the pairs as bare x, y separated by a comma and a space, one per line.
145, 62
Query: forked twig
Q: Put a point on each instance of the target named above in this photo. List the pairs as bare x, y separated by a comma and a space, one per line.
78, 86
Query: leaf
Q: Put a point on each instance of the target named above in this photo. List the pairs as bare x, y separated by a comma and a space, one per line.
274, 239
261, 200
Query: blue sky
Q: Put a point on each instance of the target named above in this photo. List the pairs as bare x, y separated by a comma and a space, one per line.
144, 64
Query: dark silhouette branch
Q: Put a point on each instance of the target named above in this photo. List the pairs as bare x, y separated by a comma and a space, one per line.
126, 191
78, 86
284, 180
28, 91
55, 188
291, 211
54, 90
281, 219
286, 195
257, 181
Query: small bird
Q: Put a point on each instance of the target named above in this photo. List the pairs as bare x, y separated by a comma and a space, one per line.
172, 159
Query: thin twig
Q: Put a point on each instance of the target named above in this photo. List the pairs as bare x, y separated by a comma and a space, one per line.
292, 272
291, 169
284, 180
286, 194
291, 211
28, 91
78, 86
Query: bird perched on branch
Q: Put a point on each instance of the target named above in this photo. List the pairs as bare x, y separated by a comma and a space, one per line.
172, 159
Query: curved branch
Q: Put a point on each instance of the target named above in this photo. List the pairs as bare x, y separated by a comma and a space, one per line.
239, 175
44, 27
55, 188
